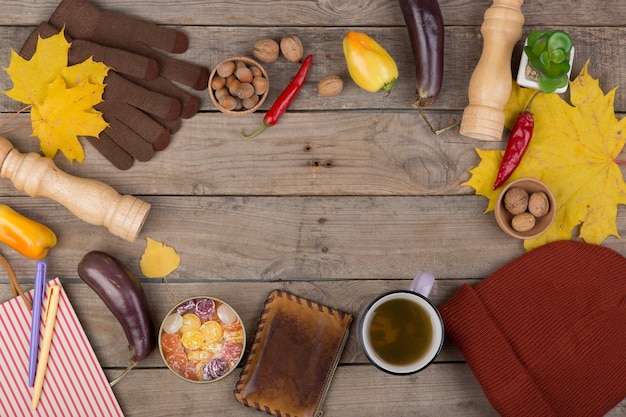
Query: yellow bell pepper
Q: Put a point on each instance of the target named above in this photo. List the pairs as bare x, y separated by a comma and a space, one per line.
370, 66
26, 236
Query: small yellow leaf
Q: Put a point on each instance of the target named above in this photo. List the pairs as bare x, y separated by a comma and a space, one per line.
158, 260
65, 114
573, 151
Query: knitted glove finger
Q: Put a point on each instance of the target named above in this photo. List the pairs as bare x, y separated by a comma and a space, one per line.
121, 158
172, 125
121, 61
83, 20
190, 104
122, 90
146, 129
111, 151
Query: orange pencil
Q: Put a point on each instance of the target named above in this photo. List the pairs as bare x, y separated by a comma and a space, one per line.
51, 313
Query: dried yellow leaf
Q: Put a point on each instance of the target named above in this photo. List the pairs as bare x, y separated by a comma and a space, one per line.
158, 259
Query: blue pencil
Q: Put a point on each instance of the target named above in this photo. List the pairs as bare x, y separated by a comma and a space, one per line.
40, 283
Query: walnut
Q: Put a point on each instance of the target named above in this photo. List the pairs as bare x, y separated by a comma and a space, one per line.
330, 86
538, 204
523, 222
266, 50
516, 200
292, 49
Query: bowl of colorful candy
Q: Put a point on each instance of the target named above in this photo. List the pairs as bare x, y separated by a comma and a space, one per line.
202, 339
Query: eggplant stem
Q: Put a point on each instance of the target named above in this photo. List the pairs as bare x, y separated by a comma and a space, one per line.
118, 379
430, 126
167, 286
445, 129
421, 112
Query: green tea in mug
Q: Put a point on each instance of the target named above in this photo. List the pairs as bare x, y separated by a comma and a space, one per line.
401, 331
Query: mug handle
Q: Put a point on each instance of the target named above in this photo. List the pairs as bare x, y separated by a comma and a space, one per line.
423, 283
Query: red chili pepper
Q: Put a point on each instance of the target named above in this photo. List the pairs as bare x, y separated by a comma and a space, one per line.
519, 139
285, 98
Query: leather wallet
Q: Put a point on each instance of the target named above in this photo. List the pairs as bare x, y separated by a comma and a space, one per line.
293, 357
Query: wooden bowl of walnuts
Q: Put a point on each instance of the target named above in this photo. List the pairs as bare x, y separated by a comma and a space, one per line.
238, 85
525, 208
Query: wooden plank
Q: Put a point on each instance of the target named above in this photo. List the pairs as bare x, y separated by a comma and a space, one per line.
209, 45
277, 238
329, 153
441, 389
350, 153
313, 13
448, 389
287, 238
284, 238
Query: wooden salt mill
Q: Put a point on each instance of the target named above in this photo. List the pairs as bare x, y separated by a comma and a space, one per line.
90, 200
490, 84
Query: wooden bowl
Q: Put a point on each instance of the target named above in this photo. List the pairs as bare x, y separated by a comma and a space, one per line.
243, 111
504, 217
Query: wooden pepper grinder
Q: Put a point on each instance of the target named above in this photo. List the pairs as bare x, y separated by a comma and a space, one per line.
90, 200
490, 84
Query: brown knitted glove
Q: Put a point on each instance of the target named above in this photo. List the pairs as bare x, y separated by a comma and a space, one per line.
140, 119
83, 20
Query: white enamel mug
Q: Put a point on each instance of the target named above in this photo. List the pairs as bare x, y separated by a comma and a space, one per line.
408, 340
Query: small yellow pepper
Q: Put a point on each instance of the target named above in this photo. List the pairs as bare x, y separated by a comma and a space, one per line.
370, 66
26, 236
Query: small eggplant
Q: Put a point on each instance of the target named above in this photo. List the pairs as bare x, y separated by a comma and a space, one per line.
122, 293
424, 21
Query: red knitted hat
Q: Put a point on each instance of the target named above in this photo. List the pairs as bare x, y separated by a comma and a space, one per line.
546, 334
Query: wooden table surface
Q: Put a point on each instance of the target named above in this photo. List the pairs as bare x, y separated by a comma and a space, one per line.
347, 197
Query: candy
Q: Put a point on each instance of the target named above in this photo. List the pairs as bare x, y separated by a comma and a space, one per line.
232, 351
186, 307
192, 339
170, 343
190, 322
226, 314
235, 336
211, 331
199, 355
177, 361
215, 369
172, 323
190, 371
213, 347
205, 308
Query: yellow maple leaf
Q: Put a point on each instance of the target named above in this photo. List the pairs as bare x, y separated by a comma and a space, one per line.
32, 77
62, 97
65, 114
573, 151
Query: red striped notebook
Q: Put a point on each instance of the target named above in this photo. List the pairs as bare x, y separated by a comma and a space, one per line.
74, 385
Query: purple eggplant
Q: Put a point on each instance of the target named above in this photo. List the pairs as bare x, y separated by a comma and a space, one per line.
424, 22
122, 293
